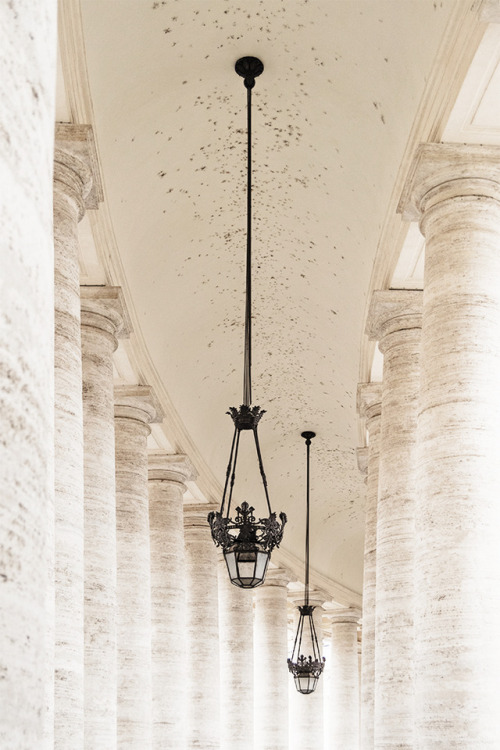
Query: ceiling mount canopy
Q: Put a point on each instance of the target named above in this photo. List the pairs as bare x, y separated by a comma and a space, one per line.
306, 670
247, 540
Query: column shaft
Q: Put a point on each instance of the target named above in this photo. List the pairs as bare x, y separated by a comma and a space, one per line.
236, 662
102, 321
456, 189
27, 93
270, 663
344, 684
168, 598
395, 321
72, 181
134, 410
203, 673
369, 407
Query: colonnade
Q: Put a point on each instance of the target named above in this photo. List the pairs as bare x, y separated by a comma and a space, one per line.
123, 629
432, 567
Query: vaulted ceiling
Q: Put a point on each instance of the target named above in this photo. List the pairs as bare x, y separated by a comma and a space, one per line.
334, 110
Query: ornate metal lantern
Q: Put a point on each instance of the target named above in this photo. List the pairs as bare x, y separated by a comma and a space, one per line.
246, 541
306, 670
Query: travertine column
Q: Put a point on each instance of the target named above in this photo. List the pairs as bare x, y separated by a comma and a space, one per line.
135, 408
103, 318
236, 662
270, 662
369, 401
395, 320
306, 730
167, 474
344, 681
73, 178
203, 670
456, 191
27, 93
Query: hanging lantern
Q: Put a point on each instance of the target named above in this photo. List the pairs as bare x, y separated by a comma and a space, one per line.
306, 670
246, 540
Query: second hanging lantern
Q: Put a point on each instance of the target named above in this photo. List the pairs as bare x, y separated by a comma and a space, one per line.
306, 670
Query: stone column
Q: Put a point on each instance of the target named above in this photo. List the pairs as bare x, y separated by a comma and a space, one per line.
73, 178
306, 729
27, 94
344, 680
369, 401
167, 474
135, 408
456, 192
236, 662
203, 664
395, 320
103, 319
270, 662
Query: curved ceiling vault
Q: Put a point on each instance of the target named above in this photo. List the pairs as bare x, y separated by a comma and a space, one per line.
332, 116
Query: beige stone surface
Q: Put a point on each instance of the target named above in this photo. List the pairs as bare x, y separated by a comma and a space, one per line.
456, 191
103, 319
167, 474
72, 184
236, 662
135, 409
203, 663
271, 674
369, 398
343, 678
27, 92
395, 320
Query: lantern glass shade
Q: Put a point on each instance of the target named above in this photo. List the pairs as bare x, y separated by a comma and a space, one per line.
306, 683
247, 567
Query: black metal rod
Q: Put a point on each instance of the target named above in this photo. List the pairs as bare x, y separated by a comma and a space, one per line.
228, 472
308, 435
261, 468
234, 473
247, 376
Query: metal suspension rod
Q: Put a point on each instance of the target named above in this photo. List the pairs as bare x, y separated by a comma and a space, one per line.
247, 378
308, 436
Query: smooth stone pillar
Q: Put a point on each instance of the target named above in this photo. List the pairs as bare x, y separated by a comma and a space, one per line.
103, 320
306, 729
395, 320
203, 664
73, 177
270, 662
27, 94
236, 662
343, 694
369, 402
167, 474
135, 408
455, 190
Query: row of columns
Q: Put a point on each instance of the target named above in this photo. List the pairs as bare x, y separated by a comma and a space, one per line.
432, 566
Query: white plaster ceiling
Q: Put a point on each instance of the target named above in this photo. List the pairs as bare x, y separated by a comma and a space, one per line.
332, 114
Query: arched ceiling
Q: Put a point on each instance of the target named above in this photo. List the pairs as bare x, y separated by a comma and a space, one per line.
332, 114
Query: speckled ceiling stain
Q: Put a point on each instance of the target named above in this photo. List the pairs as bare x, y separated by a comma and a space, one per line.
332, 112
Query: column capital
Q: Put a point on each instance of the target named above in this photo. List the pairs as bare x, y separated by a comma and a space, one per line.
369, 400
277, 577
138, 402
349, 614
195, 515
75, 152
170, 467
362, 459
393, 310
448, 170
103, 307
